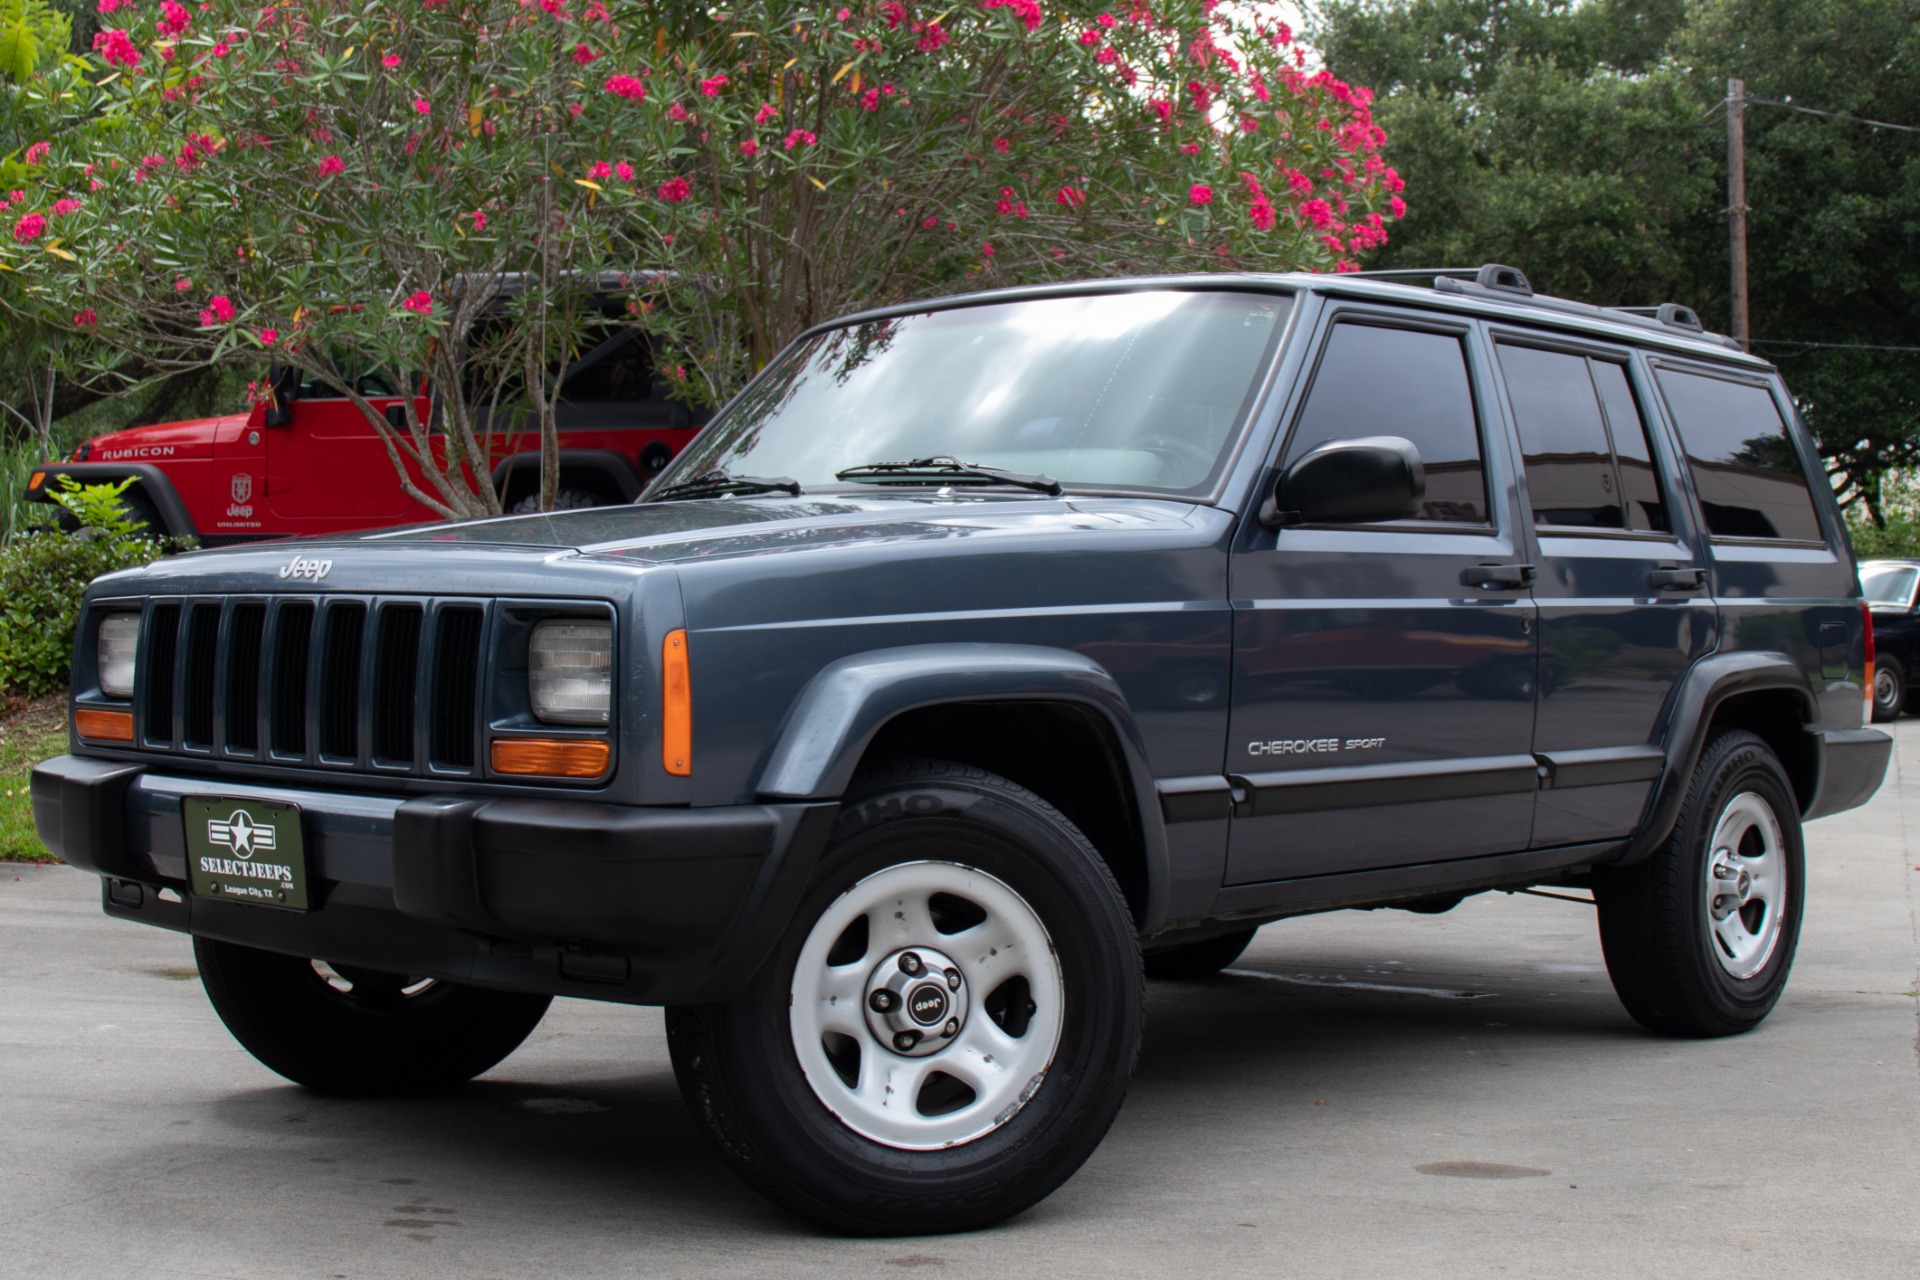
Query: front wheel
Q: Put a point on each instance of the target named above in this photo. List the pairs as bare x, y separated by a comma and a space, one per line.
947, 1028
1700, 937
1889, 689
347, 1030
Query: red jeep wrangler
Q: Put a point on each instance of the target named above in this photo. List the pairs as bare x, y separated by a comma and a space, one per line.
314, 465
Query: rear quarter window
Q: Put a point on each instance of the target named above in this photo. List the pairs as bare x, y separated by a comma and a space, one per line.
1745, 467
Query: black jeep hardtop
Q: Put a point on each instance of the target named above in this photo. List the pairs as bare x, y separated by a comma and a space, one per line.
976, 650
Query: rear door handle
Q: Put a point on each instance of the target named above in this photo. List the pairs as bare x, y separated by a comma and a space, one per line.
1497, 577
1678, 579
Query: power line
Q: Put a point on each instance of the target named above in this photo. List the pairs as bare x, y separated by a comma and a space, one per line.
1833, 115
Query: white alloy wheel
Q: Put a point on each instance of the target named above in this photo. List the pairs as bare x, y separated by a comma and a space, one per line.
1746, 885
927, 1005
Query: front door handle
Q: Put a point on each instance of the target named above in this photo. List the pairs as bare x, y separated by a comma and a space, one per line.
1497, 577
1678, 579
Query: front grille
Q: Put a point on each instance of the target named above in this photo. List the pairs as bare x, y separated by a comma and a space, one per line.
380, 684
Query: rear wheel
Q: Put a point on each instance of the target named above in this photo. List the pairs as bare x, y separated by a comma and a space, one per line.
343, 1029
1700, 937
1889, 689
1198, 960
946, 1030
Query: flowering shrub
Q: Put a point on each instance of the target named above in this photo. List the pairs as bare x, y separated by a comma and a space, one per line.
388, 185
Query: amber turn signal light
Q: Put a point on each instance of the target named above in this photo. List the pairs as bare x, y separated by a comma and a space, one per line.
551, 757
103, 726
34, 483
676, 706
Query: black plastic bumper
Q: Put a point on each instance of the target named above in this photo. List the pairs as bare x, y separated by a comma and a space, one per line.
1852, 764
648, 906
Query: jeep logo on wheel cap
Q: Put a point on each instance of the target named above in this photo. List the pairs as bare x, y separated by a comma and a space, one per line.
927, 1004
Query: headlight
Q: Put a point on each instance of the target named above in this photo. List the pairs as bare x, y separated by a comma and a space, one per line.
119, 645
570, 672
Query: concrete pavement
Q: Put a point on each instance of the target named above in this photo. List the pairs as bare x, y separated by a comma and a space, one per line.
1313, 1114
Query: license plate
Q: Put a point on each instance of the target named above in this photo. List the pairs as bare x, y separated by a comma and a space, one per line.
246, 851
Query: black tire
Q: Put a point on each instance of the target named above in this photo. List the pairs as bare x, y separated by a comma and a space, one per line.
1198, 960
563, 500
1655, 923
740, 1071
1889, 689
375, 1037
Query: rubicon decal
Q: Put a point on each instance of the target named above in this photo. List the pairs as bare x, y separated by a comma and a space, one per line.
311, 570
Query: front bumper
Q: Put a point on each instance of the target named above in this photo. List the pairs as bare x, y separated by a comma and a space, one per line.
609, 902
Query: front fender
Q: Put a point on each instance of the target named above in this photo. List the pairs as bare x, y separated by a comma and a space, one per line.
836, 716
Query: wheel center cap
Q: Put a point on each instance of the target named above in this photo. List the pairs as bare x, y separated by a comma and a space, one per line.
916, 1001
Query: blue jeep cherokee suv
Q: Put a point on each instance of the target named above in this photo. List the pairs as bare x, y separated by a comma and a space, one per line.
979, 649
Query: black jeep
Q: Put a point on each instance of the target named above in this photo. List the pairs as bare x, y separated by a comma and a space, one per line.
978, 649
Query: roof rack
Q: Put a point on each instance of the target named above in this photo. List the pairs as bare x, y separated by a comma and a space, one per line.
1496, 280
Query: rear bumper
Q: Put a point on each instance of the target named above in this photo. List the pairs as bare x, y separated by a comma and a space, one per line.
1852, 764
648, 906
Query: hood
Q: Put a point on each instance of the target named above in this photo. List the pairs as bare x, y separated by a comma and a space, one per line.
675, 532
190, 439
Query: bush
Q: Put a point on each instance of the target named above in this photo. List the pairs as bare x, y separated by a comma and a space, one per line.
42, 576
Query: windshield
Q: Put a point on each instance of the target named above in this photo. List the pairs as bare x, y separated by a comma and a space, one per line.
1889, 584
1124, 390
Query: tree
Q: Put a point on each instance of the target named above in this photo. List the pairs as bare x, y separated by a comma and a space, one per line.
457, 188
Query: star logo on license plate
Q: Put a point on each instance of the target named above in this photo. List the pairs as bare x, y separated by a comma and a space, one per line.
242, 834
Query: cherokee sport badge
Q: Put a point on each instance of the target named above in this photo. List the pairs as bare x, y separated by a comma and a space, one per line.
246, 851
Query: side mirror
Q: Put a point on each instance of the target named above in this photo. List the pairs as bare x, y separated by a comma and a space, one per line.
285, 381
1349, 482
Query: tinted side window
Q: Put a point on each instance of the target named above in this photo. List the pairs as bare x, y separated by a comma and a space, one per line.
1743, 461
619, 370
1396, 382
1563, 439
1633, 458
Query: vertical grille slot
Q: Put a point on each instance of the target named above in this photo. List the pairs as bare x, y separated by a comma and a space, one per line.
156, 669
456, 687
203, 633
293, 639
243, 678
340, 681
394, 675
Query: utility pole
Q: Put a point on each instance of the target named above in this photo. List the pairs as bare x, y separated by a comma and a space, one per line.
1737, 204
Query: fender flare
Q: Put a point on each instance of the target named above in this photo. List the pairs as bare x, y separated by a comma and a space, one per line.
153, 482
834, 720
617, 467
1709, 683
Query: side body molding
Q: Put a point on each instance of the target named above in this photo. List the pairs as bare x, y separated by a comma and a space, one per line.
843, 707
1710, 682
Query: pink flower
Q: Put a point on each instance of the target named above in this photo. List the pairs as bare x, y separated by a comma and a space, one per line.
1106, 20
623, 171
674, 190
221, 48
1262, 214
932, 37
391, 61
1190, 148
1002, 145
420, 303
173, 18
583, 54
1090, 36
986, 250
479, 220
749, 148
1299, 181
677, 113
66, 205
573, 109
38, 152
29, 228
182, 285
1318, 212
423, 106
800, 138
712, 86
269, 336
895, 13
1200, 193
219, 310
1160, 107
766, 112
116, 49
108, 6
332, 165
1397, 207
85, 319
1070, 197
601, 170
16, 196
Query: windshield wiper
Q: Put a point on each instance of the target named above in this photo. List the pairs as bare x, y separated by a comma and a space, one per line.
718, 483
942, 468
